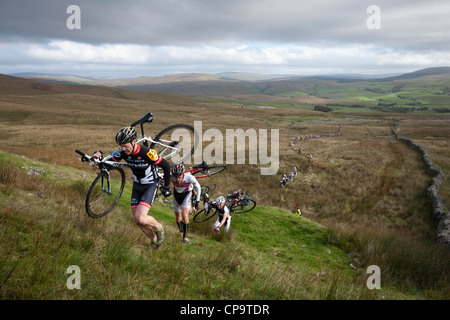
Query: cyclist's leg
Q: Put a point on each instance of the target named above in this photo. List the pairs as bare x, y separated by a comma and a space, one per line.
145, 222
145, 194
185, 208
177, 210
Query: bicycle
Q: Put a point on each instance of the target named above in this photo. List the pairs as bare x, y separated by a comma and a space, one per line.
204, 170
107, 188
204, 190
236, 207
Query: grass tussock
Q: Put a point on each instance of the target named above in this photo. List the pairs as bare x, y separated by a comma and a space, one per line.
412, 264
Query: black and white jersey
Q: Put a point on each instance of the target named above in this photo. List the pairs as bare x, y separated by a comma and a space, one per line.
143, 163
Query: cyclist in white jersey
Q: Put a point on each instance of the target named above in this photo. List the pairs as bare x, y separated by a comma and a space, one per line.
224, 217
183, 184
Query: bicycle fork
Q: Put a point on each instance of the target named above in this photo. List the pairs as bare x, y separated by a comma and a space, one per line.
106, 176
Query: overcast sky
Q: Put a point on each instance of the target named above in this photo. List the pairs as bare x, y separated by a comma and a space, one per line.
157, 37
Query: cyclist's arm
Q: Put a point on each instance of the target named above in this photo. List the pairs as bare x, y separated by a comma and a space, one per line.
197, 187
162, 163
224, 219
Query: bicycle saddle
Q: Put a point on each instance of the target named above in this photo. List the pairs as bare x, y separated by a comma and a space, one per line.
147, 118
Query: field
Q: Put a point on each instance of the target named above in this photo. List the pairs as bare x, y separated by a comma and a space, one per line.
363, 199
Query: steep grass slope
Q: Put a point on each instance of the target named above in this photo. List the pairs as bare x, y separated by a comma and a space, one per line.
269, 253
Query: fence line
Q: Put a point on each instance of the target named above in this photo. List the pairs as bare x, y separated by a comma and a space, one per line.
440, 214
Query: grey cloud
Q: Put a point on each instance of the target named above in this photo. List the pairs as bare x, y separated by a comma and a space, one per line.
191, 22
169, 36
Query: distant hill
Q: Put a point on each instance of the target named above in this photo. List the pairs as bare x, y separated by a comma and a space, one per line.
58, 78
23, 86
437, 71
139, 83
426, 89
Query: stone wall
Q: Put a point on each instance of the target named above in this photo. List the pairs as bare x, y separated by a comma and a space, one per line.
441, 215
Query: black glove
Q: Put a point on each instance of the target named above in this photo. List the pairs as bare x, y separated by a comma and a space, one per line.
166, 191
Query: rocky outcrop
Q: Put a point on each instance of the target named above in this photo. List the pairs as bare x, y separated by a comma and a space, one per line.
441, 215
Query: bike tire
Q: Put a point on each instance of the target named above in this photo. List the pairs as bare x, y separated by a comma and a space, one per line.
210, 188
203, 215
98, 201
243, 205
165, 137
209, 171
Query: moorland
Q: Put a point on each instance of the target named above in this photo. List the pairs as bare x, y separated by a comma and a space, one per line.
362, 194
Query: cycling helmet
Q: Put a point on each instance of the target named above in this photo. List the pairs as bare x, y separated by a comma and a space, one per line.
125, 135
178, 170
220, 200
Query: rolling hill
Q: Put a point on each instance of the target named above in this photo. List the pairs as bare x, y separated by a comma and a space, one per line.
420, 91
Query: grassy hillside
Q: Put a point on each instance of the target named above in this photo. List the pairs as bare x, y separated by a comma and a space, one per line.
270, 253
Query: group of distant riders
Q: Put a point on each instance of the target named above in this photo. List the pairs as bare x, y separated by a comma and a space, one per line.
287, 178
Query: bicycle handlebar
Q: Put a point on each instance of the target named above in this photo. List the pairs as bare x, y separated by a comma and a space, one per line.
100, 162
84, 157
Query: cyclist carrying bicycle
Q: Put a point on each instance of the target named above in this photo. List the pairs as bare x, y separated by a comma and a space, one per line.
143, 162
224, 217
183, 184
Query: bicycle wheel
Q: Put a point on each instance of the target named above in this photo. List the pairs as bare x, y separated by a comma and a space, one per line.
209, 188
243, 205
209, 171
204, 215
176, 143
102, 196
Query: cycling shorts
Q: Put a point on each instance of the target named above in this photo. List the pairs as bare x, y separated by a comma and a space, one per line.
143, 194
181, 200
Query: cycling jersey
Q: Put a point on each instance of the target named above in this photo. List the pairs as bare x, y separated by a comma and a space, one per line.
222, 212
186, 184
143, 163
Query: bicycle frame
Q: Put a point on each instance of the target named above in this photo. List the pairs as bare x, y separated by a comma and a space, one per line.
145, 141
108, 167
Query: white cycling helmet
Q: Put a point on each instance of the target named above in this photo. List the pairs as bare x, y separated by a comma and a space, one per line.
220, 200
